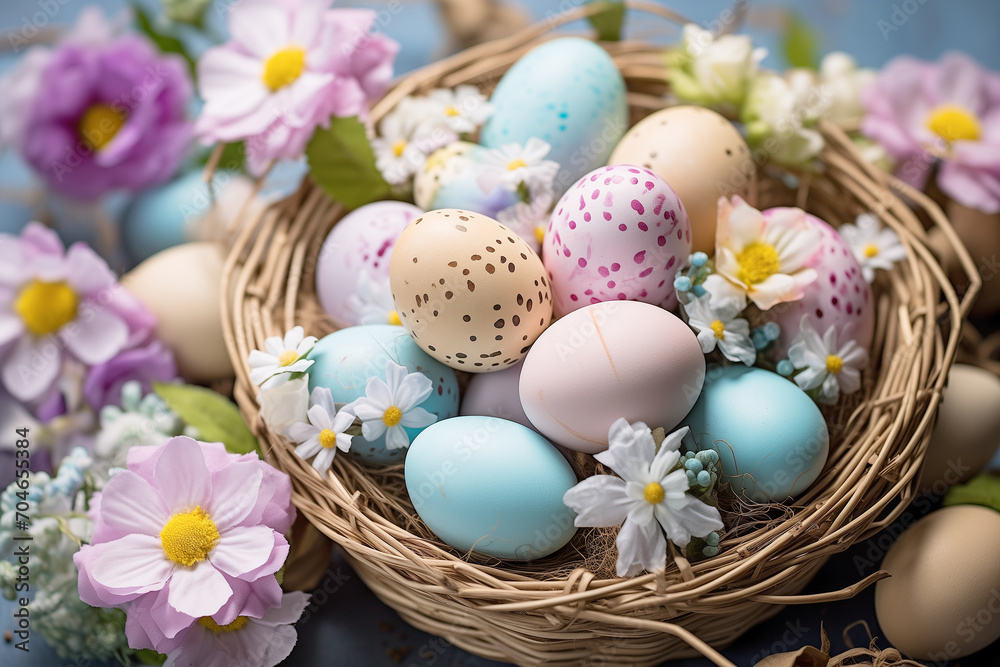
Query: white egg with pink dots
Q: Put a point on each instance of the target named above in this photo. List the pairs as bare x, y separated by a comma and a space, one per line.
620, 233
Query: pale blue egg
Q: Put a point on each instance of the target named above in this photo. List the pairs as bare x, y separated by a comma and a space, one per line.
569, 93
464, 193
771, 438
346, 359
492, 486
167, 215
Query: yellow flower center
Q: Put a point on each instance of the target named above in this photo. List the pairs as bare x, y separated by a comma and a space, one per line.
207, 622
952, 123
288, 357
189, 537
393, 318
99, 125
284, 67
46, 307
327, 438
758, 262
834, 364
653, 493
719, 329
451, 111
516, 164
398, 148
392, 416
540, 233
871, 250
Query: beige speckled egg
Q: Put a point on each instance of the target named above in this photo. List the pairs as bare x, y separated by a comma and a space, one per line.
943, 599
471, 293
700, 155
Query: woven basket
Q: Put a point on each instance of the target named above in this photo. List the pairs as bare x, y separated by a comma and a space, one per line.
556, 611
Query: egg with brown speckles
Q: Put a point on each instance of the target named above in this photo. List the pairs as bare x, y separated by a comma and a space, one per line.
470, 292
700, 155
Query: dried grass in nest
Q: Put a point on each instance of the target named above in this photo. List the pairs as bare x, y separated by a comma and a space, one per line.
569, 607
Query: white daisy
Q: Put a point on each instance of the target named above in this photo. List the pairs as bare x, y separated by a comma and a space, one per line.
512, 164
824, 364
720, 327
650, 497
874, 247
407, 135
389, 406
463, 109
372, 301
283, 357
324, 433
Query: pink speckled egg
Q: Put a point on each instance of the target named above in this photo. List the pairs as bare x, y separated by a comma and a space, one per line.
839, 296
361, 242
620, 233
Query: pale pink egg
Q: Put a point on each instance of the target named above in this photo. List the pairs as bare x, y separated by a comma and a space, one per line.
619, 234
840, 296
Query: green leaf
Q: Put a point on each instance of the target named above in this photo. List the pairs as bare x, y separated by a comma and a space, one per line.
233, 158
342, 162
800, 43
166, 43
608, 20
216, 417
148, 656
982, 490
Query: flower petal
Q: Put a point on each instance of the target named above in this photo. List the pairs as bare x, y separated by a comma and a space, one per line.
396, 438
198, 591
182, 476
131, 505
31, 368
234, 491
242, 549
96, 335
639, 550
413, 390
417, 418
132, 564
599, 501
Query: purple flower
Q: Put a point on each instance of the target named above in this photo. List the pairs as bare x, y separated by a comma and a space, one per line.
290, 66
107, 116
949, 110
188, 531
147, 364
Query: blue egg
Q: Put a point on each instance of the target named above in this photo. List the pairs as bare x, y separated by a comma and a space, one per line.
464, 193
346, 359
168, 215
492, 486
569, 93
771, 438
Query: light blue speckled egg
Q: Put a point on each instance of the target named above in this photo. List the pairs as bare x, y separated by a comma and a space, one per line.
771, 438
464, 193
568, 92
167, 215
346, 359
492, 486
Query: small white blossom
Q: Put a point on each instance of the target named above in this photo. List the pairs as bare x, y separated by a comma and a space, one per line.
372, 301
283, 357
282, 406
873, 246
713, 71
721, 327
781, 114
649, 497
825, 364
407, 136
512, 165
389, 406
529, 220
463, 109
323, 434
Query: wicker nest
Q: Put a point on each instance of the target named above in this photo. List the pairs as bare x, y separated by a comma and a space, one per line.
565, 609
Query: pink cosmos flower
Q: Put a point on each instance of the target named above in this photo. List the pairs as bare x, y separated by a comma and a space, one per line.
188, 531
54, 304
949, 110
289, 67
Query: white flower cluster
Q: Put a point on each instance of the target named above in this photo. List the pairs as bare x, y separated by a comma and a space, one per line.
780, 112
314, 421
